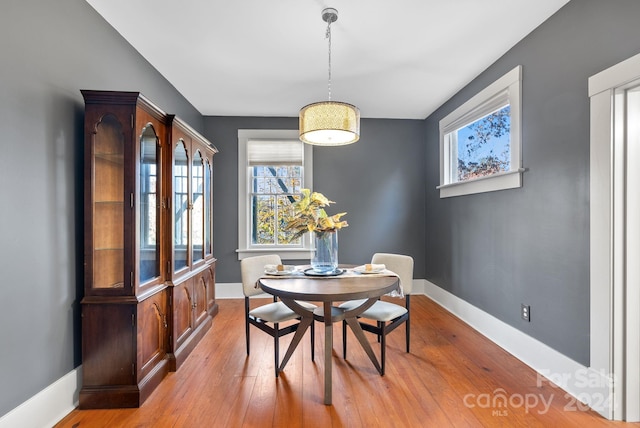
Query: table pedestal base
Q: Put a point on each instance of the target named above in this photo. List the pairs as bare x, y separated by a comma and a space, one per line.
329, 314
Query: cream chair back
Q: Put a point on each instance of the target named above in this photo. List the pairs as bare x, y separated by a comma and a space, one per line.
252, 268
400, 264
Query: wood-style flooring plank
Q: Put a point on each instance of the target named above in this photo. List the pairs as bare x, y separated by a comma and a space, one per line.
440, 383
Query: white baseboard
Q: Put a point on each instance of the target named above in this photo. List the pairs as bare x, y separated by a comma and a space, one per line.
583, 383
229, 290
49, 406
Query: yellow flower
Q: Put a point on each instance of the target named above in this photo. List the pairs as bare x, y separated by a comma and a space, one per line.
308, 215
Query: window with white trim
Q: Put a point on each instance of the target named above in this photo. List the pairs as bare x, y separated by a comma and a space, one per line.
273, 167
480, 142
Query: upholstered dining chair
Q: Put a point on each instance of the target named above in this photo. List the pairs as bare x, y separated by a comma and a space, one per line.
387, 316
268, 317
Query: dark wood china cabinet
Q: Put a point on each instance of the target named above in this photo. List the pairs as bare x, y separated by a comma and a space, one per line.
190, 271
149, 266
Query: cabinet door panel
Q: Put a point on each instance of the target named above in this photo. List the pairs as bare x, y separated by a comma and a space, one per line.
200, 292
108, 357
152, 332
210, 277
182, 313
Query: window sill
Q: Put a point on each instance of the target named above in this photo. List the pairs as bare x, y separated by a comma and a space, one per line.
284, 253
502, 181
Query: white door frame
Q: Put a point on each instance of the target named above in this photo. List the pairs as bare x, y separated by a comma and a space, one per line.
615, 300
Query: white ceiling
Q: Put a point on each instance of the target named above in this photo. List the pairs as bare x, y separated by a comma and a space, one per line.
399, 59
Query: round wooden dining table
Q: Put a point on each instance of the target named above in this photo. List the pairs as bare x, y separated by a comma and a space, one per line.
328, 291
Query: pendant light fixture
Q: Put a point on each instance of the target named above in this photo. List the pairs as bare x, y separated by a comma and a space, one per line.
329, 123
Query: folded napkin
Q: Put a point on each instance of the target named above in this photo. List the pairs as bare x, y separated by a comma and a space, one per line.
279, 269
370, 268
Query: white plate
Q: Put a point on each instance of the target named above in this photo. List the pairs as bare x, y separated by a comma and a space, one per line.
280, 273
288, 270
363, 269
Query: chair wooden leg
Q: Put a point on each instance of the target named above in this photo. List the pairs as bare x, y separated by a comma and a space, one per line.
313, 340
408, 327
276, 349
247, 334
383, 347
408, 322
344, 339
246, 322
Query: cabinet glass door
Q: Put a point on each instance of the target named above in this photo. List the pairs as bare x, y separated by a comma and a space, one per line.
180, 206
207, 208
108, 204
149, 264
198, 207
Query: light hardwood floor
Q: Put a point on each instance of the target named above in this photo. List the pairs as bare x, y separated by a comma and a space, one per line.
453, 377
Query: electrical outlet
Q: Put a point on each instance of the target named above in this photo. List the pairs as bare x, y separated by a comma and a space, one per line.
525, 312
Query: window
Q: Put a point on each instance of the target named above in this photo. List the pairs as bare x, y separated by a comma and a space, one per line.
480, 141
273, 166
272, 190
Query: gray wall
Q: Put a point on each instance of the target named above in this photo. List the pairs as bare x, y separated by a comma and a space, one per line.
379, 182
494, 250
48, 52
531, 245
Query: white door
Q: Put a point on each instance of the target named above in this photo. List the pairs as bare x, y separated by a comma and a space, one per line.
627, 123
615, 238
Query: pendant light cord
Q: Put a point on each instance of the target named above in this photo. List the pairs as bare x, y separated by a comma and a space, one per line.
328, 36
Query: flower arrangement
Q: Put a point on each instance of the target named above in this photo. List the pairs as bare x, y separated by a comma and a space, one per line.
308, 215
